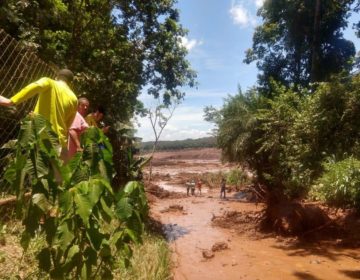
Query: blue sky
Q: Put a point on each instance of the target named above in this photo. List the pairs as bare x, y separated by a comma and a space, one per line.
219, 33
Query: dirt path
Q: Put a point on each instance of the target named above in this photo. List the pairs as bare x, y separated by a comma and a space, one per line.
249, 255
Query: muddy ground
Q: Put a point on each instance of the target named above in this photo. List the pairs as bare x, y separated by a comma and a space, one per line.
213, 238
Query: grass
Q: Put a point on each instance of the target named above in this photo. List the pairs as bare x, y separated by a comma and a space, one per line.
150, 261
14, 264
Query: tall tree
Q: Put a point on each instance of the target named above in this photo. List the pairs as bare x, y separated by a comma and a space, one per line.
301, 41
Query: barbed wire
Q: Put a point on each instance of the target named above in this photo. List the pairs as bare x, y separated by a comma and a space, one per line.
19, 66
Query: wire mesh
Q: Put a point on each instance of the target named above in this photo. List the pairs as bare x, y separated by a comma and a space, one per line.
19, 66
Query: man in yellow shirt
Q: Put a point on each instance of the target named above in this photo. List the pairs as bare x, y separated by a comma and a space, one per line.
56, 102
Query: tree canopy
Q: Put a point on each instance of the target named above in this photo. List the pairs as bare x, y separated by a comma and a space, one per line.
116, 47
301, 41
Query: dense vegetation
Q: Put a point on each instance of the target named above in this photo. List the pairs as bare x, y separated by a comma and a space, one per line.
298, 136
85, 223
205, 142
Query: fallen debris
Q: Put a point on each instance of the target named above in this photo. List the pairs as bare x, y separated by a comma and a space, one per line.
207, 254
173, 208
219, 246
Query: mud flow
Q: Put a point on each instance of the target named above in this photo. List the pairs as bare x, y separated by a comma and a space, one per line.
215, 238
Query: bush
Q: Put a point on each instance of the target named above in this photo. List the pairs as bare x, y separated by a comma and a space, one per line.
339, 185
212, 180
236, 177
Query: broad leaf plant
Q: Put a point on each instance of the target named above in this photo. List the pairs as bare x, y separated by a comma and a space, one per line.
85, 223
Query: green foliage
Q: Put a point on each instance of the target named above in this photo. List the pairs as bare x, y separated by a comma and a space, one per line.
85, 223
339, 184
150, 261
115, 47
205, 142
286, 139
236, 177
128, 167
298, 43
211, 179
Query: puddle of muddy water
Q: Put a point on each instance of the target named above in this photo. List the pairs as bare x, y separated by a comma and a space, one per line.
243, 196
174, 231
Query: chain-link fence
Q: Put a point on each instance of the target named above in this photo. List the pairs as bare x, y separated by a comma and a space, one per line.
18, 67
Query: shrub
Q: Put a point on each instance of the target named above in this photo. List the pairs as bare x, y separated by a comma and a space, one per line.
236, 177
339, 185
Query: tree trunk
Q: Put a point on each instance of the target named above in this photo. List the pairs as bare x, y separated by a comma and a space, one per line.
315, 48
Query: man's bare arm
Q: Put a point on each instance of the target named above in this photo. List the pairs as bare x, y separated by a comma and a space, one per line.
5, 101
74, 136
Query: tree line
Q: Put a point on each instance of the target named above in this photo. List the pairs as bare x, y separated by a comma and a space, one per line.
205, 142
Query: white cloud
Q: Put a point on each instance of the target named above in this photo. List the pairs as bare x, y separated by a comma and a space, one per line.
190, 44
259, 3
241, 15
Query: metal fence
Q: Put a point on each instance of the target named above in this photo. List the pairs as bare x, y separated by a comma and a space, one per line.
19, 66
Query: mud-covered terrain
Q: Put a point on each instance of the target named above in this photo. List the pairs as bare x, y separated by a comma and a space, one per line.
213, 238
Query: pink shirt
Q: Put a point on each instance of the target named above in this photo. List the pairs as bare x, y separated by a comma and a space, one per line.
79, 125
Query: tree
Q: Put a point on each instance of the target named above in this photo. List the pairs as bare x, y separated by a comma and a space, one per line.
159, 119
115, 47
301, 41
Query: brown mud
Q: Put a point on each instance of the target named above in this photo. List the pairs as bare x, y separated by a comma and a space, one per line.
213, 238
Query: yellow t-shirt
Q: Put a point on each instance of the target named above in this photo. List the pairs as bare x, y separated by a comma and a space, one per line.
91, 121
56, 102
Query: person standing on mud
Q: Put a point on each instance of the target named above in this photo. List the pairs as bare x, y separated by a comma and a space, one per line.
223, 188
192, 187
188, 186
199, 185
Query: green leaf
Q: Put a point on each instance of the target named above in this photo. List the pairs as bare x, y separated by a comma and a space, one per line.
106, 211
66, 202
124, 209
135, 223
82, 201
95, 237
73, 251
133, 236
26, 135
96, 188
131, 187
64, 234
42, 202
116, 239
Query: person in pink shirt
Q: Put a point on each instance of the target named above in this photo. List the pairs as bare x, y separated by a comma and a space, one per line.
78, 126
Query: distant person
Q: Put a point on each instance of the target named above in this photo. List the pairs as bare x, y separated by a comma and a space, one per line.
94, 118
188, 187
199, 186
192, 187
56, 102
223, 188
78, 127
